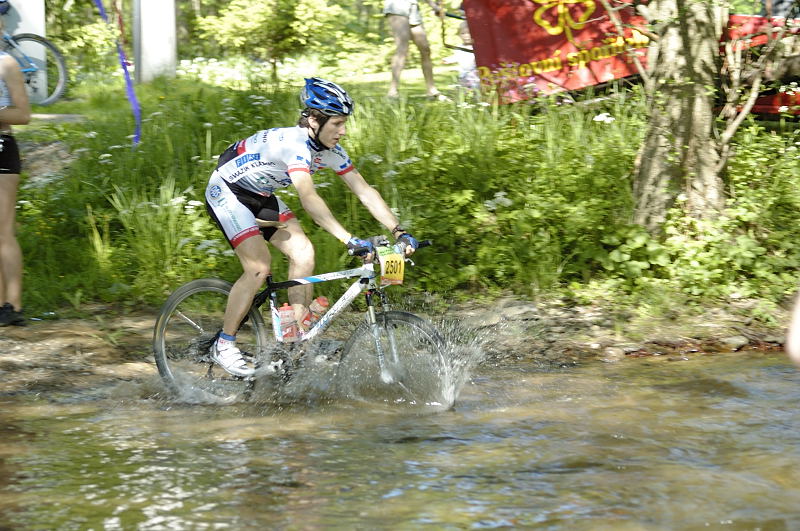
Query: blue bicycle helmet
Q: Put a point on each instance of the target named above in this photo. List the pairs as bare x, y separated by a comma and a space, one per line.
327, 97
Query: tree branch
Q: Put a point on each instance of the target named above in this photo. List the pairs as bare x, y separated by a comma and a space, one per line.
612, 15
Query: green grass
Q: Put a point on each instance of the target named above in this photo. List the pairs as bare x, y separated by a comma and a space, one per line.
532, 199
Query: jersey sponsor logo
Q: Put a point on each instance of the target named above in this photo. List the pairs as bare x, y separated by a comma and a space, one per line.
235, 176
215, 191
247, 157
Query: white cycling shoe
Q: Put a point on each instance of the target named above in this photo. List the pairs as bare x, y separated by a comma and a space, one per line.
231, 360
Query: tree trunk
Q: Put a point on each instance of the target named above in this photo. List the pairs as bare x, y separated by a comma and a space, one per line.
679, 157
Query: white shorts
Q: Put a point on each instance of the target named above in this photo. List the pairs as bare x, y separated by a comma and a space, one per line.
235, 213
406, 8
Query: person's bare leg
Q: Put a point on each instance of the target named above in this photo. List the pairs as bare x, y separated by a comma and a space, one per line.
294, 243
792, 343
421, 41
256, 260
10, 252
402, 35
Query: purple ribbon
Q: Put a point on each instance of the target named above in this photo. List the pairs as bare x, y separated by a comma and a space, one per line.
123, 61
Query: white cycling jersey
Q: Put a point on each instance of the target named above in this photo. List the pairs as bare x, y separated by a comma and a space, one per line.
265, 161
254, 168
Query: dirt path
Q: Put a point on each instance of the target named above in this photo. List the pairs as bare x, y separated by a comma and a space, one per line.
71, 354
67, 355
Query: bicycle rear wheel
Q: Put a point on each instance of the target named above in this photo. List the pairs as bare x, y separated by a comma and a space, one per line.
185, 329
42, 65
419, 368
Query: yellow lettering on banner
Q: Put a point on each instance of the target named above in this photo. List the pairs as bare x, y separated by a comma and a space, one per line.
612, 47
560, 11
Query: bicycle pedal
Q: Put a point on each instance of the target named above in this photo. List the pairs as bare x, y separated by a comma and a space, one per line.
271, 369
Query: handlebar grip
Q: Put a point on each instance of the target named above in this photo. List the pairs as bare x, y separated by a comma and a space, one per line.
424, 243
358, 251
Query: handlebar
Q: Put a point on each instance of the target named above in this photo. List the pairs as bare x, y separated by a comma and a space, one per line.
382, 241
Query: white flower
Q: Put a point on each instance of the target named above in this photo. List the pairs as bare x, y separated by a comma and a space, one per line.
783, 108
604, 117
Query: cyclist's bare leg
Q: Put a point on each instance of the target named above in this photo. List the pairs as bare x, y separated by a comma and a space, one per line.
421, 41
402, 35
256, 260
294, 243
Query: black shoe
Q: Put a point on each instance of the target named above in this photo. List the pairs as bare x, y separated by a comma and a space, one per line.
9, 316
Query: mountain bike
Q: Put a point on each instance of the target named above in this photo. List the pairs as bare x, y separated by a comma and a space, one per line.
391, 354
41, 63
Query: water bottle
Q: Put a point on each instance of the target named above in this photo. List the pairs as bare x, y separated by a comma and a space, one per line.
315, 310
288, 323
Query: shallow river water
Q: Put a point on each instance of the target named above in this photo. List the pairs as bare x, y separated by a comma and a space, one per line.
708, 443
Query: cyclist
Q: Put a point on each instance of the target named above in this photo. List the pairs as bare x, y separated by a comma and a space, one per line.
14, 109
240, 198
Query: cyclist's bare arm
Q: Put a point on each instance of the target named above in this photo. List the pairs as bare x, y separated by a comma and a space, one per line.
370, 198
20, 111
316, 206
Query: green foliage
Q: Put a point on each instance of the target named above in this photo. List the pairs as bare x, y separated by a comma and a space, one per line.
256, 37
164, 239
516, 198
279, 29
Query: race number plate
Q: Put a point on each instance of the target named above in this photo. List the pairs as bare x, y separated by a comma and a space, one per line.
392, 266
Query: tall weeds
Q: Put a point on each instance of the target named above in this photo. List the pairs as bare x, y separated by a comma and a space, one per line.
523, 198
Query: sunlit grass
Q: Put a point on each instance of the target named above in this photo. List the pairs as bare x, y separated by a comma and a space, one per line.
526, 198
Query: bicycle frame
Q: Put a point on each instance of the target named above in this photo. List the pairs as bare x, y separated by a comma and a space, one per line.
366, 282
28, 67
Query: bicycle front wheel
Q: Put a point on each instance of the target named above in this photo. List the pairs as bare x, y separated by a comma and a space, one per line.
42, 65
414, 358
185, 329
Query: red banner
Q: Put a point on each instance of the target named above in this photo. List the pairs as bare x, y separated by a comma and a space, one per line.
525, 48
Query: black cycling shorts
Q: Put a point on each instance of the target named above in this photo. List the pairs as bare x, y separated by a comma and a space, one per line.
10, 162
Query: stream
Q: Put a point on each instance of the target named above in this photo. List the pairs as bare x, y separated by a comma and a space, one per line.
712, 442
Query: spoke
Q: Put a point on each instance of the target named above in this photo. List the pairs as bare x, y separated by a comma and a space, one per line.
191, 323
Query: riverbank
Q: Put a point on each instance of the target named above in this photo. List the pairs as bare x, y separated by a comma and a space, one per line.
105, 346
560, 333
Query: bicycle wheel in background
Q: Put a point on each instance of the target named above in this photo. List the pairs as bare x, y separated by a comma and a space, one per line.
185, 329
43, 66
421, 371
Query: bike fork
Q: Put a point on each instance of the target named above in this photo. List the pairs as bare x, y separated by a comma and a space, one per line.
376, 328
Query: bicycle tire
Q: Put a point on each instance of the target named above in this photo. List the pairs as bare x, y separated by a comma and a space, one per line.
422, 372
49, 83
186, 327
